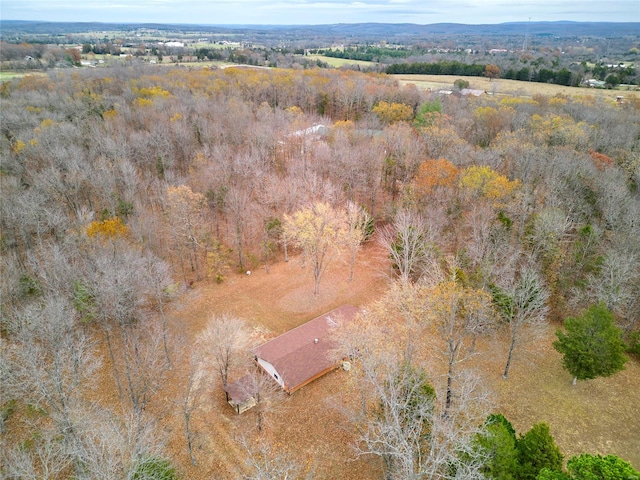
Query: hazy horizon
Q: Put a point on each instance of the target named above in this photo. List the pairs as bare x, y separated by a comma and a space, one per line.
316, 12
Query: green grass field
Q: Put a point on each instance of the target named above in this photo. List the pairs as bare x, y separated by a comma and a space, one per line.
9, 75
339, 62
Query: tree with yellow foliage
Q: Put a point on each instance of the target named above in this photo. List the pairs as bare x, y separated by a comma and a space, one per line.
393, 112
459, 314
481, 181
490, 121
108, 229
318, 230
559, 130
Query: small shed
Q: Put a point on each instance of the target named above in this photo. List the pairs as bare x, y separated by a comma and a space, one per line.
303, 354
241, 394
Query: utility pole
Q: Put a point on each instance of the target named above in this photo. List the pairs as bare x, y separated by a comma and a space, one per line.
526, 36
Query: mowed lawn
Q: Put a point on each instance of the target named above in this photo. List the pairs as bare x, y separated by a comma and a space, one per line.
509, 87
595, 416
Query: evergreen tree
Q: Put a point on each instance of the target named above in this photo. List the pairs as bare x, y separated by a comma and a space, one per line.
537, 450
546, 474
498, 445
597, 467
593, 467
592, 345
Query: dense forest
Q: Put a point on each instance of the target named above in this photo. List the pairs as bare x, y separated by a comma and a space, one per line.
124, 187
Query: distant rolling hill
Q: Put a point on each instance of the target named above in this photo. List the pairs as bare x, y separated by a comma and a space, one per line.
10, 28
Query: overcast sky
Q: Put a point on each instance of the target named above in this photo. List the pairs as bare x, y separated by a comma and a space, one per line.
300, 12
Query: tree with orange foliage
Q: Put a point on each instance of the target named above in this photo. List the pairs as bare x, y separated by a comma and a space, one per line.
492, 71
435, 175
600, 160
74, 55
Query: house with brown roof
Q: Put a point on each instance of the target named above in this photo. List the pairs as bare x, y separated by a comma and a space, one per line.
303, 354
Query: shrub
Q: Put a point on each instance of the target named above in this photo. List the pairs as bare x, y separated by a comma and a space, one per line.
153, 468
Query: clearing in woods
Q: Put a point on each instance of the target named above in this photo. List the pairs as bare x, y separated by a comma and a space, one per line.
597, 416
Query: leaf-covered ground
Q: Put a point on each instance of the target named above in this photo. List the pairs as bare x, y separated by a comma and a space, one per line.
598, 416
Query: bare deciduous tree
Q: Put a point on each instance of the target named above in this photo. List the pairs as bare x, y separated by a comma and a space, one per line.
159, 282
453, 432
550, 228
358, 220
267, 393
399, 426
237, 208
118, 282
144, 366
523, 306
185, 209
409, 242
193, 396
45, 459
52, 363
115, 292
223, 342
616, 284
114, 444
399, 418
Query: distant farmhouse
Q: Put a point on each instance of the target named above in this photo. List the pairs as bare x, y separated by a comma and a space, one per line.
303, 354
593, 83
465, 92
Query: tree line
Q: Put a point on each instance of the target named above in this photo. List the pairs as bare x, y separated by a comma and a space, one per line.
445, 67
562, 76
366, 53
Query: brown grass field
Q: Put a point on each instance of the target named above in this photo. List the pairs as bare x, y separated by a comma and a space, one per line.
510, 87
597, 416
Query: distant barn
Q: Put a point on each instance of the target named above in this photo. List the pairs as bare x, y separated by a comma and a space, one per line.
303, 354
